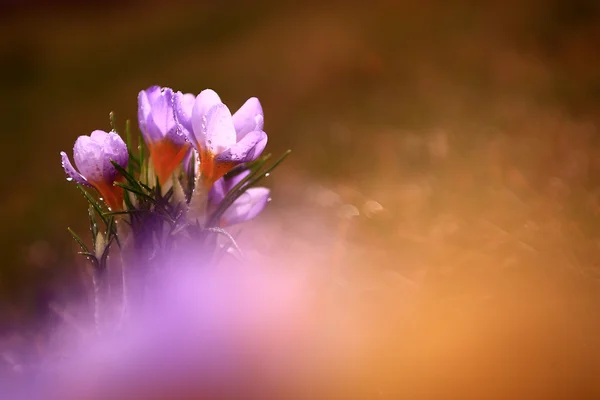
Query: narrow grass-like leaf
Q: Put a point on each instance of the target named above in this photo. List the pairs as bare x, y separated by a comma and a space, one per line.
78, 240
93, 224
148, 188
135, 191
128, 203
190, 177
271, 168
111, 230
142, 155
104, 257
92, 202
91, 258
126, 212
132, 181
252, 179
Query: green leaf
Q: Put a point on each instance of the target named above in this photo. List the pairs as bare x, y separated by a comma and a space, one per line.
104, 257
111, 230
142, 155
92, 202
93, 224
190, 177
132, 181
78, 240
135, 191
125, 212
128, 202
148, 188
91, 258
271, 168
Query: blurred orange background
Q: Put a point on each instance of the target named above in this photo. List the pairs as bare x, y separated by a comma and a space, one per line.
446, 166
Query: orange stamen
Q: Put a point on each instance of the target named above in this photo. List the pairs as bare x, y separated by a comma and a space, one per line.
166, 157
112, 195
212, 171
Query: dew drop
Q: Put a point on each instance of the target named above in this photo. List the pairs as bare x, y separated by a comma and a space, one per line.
101, 199
267, 174
269, 200
69, 179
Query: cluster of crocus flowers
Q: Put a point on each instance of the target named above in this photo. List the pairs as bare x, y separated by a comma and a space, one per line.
173, 125
93, 155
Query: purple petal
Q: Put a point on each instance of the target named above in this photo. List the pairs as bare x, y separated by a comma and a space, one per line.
223, 186
160, 122
72, 174
114, 149
88, 154
247, 149
145, 100
248, 118
163, 116
246, 207
203, 103
219, 132
183, 105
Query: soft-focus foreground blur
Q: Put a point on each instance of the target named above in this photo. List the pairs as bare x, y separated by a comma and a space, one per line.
435, 233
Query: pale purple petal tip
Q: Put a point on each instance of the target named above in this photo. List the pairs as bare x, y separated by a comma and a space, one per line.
72, 174
248, 118
247, 206
246, 150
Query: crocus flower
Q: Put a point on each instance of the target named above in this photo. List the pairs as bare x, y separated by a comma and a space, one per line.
92, 156
222, 140
167, 143
245, 207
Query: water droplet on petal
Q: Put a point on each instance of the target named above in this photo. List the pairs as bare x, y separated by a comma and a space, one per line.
269, 200
101, 199
69, 179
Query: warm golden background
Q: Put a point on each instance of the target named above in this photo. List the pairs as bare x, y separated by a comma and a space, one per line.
473, 124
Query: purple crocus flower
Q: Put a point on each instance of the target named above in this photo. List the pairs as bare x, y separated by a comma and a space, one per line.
245, 207
92, 156
222, 140
167, 143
